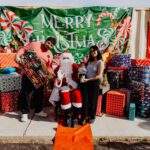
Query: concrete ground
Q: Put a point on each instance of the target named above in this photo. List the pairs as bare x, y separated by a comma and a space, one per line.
109, 133
105, 126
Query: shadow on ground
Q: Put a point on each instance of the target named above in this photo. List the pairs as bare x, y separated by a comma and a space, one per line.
106, 146
145, 125
122, 146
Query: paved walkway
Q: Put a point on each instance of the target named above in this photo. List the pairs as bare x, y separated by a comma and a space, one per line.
103, 127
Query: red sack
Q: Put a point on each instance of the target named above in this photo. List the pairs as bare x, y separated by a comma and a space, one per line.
78, 138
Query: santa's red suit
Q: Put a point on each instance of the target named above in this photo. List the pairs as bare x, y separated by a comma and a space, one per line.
65, 85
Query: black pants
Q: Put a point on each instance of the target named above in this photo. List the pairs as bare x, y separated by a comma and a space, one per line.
90, 92
28, 93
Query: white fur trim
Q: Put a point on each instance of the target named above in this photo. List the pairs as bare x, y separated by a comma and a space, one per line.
65, 89
64, 107
73, 84
54, 95
77, 105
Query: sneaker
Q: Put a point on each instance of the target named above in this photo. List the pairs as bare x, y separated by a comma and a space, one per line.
24, 117
74, 123
41, 114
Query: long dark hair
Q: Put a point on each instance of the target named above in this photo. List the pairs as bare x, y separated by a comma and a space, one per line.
99, 55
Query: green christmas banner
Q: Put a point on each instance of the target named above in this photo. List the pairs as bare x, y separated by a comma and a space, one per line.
74, 29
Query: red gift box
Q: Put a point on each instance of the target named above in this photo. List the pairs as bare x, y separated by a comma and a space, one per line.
123, 73
123, 69
117, 68
9, 101
99, 106
115, 103
140, 62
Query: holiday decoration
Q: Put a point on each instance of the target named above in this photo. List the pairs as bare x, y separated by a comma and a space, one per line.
7, 60
10, 82
139, 73
119, 60
140, 62
66, 82
137, 89
115, 103
102, 15
143, 109
35, 69
9, 101
10, 21
5, 38
26, 30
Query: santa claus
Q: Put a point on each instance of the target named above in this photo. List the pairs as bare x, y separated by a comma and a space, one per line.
66, 89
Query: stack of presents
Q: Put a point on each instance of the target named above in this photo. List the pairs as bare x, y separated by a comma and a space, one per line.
129, 93
11, 77
10, 83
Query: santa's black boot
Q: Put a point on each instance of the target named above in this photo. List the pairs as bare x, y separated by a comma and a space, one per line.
75, 119
68, 118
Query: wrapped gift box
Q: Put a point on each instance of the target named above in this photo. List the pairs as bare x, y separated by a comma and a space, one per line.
124, 73
8, 60
139, 73
123, 69
34, 68
143, 109
140, 62
137, 90
9, 101
117, 68
10, 82
115, 78
147, 92
115, 103
119, 60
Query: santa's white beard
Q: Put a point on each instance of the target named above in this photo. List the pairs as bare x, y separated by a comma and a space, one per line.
66, 67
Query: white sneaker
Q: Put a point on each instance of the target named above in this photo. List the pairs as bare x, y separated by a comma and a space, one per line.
41, 114
24, 117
